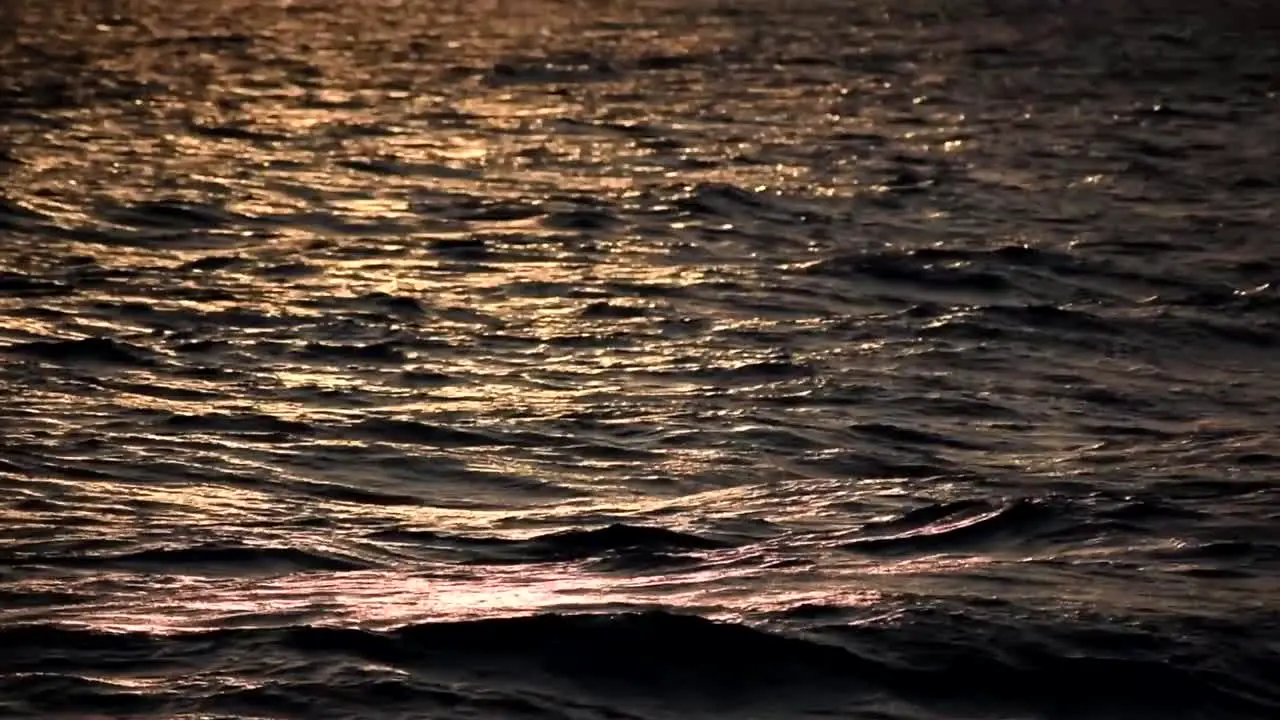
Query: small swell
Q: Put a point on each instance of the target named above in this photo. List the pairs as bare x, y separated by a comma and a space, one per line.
907, 268
1259, 336
608, 542
1258, 459
909, 436
1240, 554
761, 371
426, 378
959, 662
22, 285
168, 214
240, 423
610, 311
374, 352
492, 211
392, 167
955, 525
317, 698
213, 263
236, 132
363, 496
619, 538
719, 200
551, 70
662, 61
40, 599
473, 249
58, 693
289, 270
212, 558
1150, 510
583, 219
1050, 317
421, 433
100, 350
395, 304
15, 216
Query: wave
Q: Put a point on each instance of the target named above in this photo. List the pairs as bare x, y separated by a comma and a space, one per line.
762, 371
911, 436
538, 71
399, 305
969, 524
388, 352
609, 542
611, 311
239, 423
1241, 554
1063, 524
208, 558
582, 220
89, 350
170, 214
422, 433
909, 268
24, 285
46, 693
976, 665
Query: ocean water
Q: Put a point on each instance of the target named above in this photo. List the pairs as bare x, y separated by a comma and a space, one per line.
640, 359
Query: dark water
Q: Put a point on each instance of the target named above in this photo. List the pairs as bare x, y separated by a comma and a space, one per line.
653, 359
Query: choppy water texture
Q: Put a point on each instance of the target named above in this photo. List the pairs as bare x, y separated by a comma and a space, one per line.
654, 359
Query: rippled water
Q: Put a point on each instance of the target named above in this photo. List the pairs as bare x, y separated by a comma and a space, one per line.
653, 359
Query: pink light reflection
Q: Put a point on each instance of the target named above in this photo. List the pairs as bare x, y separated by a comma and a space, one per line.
388, 599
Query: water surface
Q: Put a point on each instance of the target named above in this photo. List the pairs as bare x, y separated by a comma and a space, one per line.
645, 359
